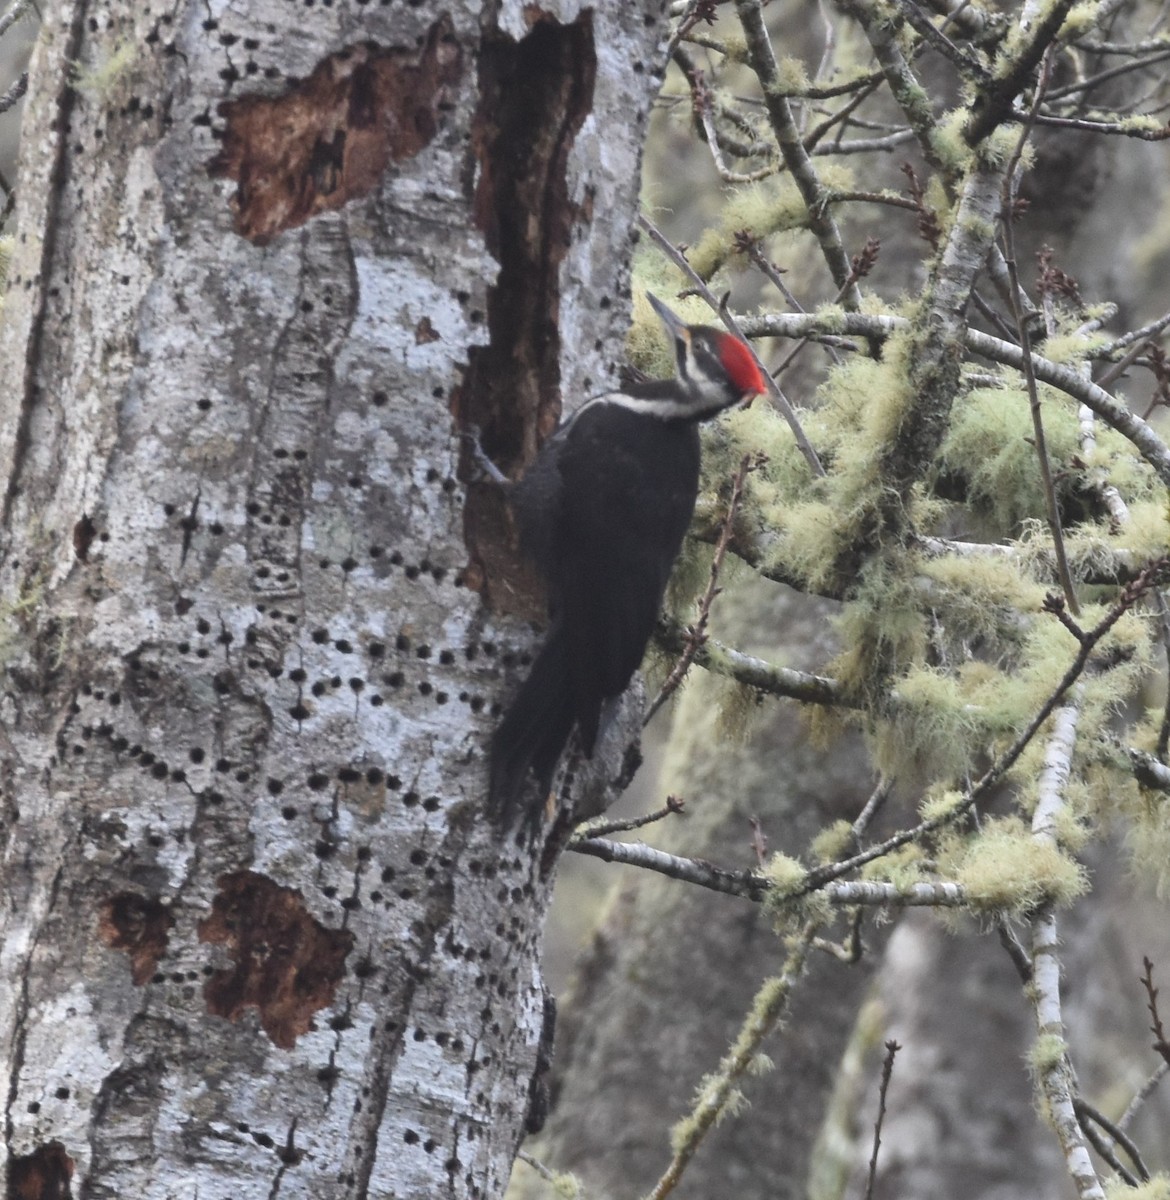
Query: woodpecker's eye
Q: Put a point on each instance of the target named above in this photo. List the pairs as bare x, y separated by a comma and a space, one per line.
707, 362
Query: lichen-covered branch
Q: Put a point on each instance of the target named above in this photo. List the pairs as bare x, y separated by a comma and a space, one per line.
1065, 378
751, 885
751, 671
763, 61
717, 1092
1053, 1068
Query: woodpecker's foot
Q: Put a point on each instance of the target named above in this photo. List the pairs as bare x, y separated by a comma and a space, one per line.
482, 470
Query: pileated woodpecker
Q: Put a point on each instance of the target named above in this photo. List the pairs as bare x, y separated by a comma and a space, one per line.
602, 512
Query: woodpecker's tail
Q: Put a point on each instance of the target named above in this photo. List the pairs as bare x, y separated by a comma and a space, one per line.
532, 735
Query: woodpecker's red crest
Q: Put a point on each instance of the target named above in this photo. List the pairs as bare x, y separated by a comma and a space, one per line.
741, 366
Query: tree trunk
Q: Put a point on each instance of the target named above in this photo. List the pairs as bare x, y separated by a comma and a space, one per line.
257, 938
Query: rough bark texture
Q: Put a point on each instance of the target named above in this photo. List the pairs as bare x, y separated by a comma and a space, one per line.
256, 938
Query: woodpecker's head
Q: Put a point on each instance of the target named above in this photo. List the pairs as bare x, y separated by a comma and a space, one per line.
715, 369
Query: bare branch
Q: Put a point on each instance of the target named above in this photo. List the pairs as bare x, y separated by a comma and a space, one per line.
1054, 1071
1090, 1117
14, 93
892, 1049
600, 828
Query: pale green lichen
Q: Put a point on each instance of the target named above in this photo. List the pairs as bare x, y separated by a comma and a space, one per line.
934, 728
1046, 1054
1071, 347
1081, 19
948, 143
937, 805
980, 596
1005, 869
903, 867
735, 48
98, 80
786, 875
1148, 839
1157, 1187
7, 245
833, 842
990, 444
757, 210
1140, 123
791, 76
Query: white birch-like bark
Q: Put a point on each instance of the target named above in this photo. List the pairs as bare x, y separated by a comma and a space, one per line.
257, 938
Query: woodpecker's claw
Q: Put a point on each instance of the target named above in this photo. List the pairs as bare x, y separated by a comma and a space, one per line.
483, 470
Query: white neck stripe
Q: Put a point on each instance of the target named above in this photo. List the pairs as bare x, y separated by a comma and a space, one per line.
665, 409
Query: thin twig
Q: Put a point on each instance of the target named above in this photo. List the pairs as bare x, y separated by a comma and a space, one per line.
1117, 128
1051, 507
539, 1167
701, 106
755, 252
1156, 1028
754, 886
754, 672
601, 828
762, 59
14, 93
1143, 1094
1087, 1114
1101, 1144
696, 634
872, 807
1135, 337
1016, 952
892, 1049
968, 67
13, 15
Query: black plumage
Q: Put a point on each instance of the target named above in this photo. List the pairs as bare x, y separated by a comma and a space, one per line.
602, 512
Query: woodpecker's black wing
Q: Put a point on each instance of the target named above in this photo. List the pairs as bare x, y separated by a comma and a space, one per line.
629, 482
602, 511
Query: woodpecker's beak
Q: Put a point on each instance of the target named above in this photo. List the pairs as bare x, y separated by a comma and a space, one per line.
676, 328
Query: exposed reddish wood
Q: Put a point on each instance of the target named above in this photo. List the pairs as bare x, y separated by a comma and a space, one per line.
328, 140
287, 964
140, 925
42, 1175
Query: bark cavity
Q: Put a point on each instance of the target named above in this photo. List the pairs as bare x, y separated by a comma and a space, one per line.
139, 925
287, 964
534, 95
328, 139
42, 1175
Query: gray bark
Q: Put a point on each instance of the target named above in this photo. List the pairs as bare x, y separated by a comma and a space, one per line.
257, 938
